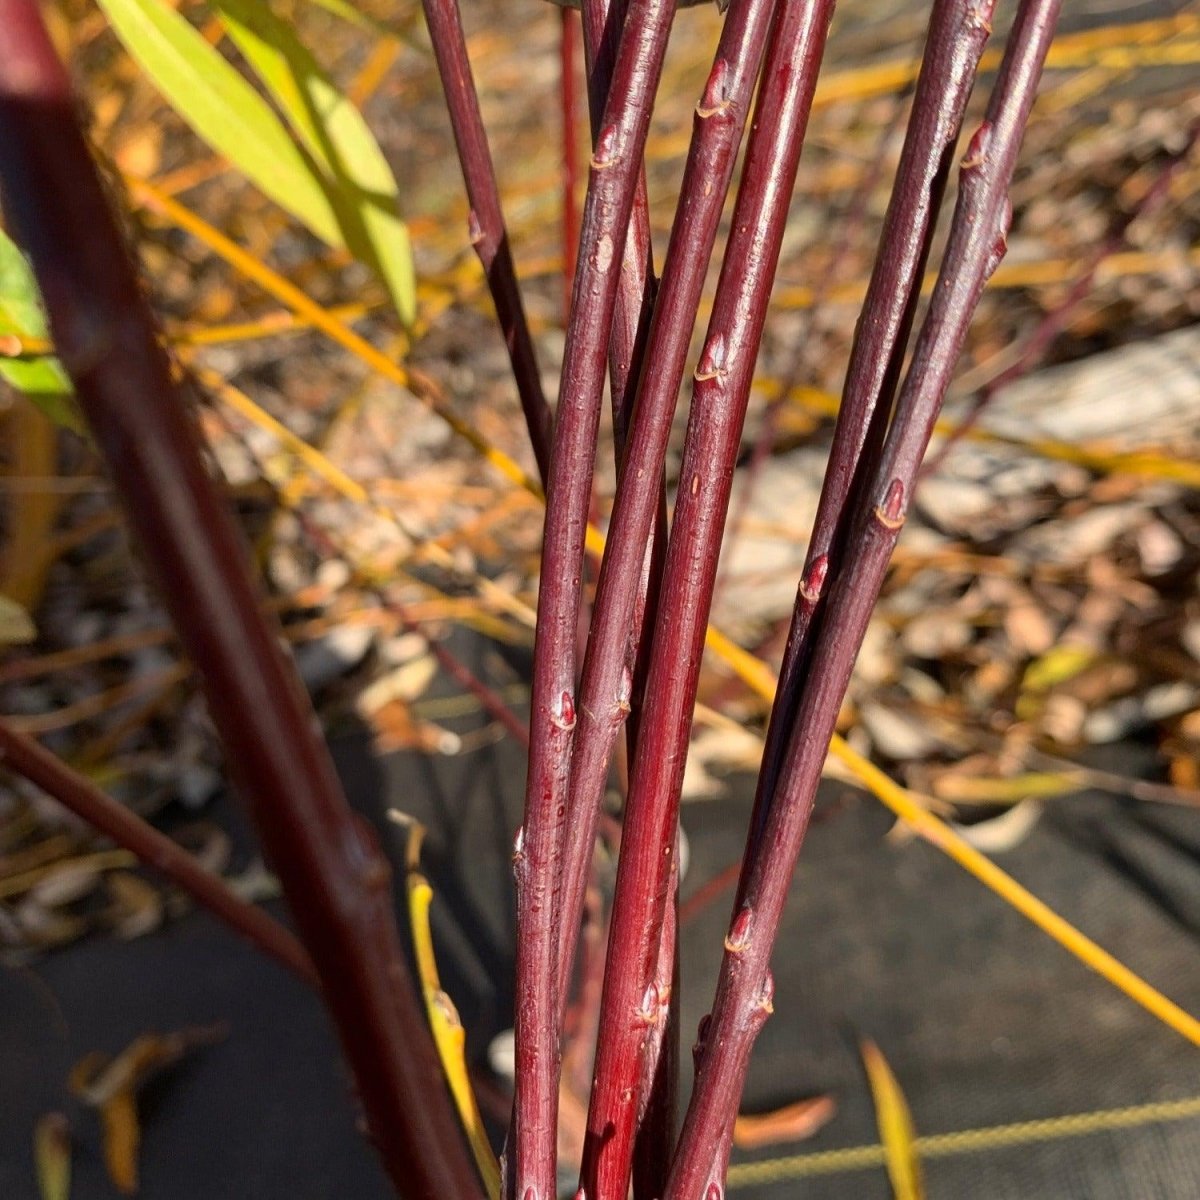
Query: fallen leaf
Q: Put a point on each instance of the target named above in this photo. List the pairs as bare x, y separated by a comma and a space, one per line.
792, 1123
136, 906
999, 834
895, 1125
52, 1156
111, 1087
16, 625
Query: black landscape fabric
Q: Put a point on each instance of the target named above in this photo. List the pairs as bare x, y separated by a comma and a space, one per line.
983, 1020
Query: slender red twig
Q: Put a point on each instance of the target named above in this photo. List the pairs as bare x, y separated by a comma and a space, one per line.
636, 293
602, 23
658, 1089
569, 105
957, 32
808, 342
632, 1002
974, 249
155, 850
617, 689
607, 685
487, 230
334, 877
615, 169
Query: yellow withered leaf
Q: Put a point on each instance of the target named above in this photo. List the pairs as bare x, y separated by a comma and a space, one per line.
896, 1130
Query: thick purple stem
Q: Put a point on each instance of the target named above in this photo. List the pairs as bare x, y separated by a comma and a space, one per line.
336, 881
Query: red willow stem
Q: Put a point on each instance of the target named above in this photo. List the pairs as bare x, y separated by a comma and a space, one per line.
607, 685
569, 104
958, 30
486, 224
658, 1090
1059, 317
334, 877
616, 690
974, 249
615, 169
155, 850
626, 352
808, 341
632, 1002
602, 22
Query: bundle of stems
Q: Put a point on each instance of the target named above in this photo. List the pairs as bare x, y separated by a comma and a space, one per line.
857, 525
654, 590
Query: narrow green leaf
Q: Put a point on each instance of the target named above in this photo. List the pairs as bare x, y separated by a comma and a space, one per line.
223, 109
42, 379
357, 175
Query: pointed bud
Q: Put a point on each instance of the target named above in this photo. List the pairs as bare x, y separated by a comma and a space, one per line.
738, 937
563, 716
716, 96
813, 583
765, 999
604, 157
712, 359
625, 690
890, 513
1000, 245
978, 148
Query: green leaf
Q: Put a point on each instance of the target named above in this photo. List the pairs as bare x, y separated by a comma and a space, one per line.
42, 379
357, 175
223, 109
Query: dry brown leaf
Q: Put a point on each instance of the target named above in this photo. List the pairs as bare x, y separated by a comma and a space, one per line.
136, 906
28, 556
792, 1123
111, 1086
396, 728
